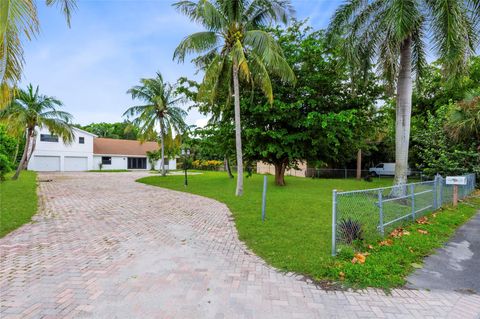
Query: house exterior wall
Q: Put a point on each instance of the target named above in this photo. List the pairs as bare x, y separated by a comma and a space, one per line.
58, 156
121, 162
59, 149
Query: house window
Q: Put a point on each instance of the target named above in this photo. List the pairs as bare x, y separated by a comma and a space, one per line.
81, 140
165, 161
48, 138
106, 160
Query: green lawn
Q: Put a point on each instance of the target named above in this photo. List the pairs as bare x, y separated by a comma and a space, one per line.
109, 171
18, 201
296, 235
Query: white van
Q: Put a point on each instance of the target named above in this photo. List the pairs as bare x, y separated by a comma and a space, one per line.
385, 169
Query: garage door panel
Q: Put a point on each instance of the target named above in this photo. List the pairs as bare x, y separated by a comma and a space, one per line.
74, 163
47, 163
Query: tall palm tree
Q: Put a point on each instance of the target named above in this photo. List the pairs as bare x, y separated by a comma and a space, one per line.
235, 45
19, 18
161, 111
29, 110
393, 34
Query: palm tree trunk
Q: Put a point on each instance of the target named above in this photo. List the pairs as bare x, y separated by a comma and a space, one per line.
34, 143
24, 156
238, 132
227, 167
14, 159
403, 115
359, 164
162, 140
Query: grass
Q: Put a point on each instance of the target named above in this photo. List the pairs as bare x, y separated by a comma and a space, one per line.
109, 170
18, 201
296, 235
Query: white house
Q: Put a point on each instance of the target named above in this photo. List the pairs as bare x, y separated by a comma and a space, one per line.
89, 152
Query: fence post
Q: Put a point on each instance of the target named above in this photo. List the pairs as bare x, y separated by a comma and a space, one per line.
264, 196
440, 191
434, 193
380, 206
334, 222
412, 190
346, 174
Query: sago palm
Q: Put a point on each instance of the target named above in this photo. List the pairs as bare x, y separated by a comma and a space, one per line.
18, 19
235, 45
394, 35
161, 111
29, 110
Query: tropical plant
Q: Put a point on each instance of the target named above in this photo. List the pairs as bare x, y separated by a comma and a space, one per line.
463, 120
393, 34
153, 157
19, 18
29, 110
161, 111
233, 47
350, 230
5, 166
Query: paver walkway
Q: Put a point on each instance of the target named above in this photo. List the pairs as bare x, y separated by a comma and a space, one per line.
104, 246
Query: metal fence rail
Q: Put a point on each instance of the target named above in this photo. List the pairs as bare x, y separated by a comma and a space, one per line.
370, 213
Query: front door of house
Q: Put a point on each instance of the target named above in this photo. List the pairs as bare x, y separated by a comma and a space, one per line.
137, 163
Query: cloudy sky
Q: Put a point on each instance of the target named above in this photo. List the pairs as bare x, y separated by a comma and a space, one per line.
112, 44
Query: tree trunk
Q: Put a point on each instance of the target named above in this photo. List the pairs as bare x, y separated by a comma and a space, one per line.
359, 164
162, 140
14, 159
227, 167
24, 156
34, 143
403, 115
238, 132
280, 173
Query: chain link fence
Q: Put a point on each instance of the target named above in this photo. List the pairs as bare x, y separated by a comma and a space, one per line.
369, 214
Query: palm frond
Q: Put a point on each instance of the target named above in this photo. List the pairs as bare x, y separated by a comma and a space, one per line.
196, 43
67, 7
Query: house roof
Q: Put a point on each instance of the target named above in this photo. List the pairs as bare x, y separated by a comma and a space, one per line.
110, 146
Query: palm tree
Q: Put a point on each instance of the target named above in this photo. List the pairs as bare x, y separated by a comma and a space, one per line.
392, 33
161, 111
463, 120
235, 45
19, 18
29, 110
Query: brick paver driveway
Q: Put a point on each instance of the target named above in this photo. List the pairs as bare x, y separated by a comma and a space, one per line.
104, 246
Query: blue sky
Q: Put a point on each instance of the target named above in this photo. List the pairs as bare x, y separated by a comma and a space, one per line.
114, 43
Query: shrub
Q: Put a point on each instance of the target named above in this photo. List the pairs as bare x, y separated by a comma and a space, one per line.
207, 164
350, 230
5, 166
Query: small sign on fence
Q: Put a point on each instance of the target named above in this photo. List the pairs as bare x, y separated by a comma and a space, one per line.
456, 180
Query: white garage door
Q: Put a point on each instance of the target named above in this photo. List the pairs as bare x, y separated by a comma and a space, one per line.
47, 163
75, 163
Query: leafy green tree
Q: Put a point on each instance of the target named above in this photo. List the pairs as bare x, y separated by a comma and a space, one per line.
324, 118
120, 130
394, 33
463, 120
19, 18
235, 47
9, 145
161, 111
29, 110
434, 91
436, 152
